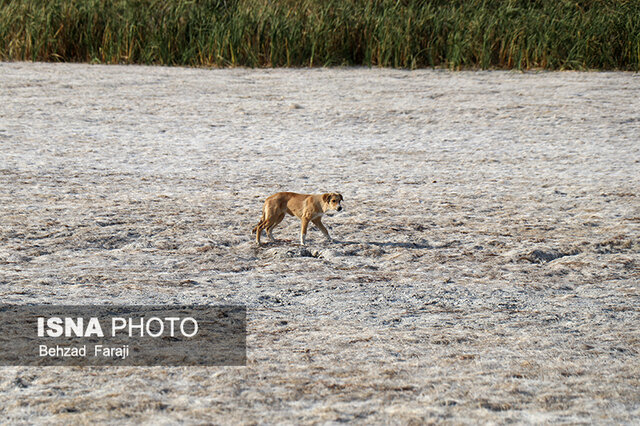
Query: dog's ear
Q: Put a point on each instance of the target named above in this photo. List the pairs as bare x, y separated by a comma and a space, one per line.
340, 195
325, 197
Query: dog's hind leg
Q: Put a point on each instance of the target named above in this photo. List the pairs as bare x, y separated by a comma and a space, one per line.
273, 224
258, 229
264, 223
270, 218
265, 220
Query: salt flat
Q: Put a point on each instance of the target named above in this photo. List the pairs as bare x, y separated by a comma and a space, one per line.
486, 268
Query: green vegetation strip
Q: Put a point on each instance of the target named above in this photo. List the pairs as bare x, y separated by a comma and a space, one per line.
521, 34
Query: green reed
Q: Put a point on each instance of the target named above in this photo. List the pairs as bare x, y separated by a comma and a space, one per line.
547, 34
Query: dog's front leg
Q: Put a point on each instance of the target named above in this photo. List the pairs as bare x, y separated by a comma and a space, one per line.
303, 230
322, 228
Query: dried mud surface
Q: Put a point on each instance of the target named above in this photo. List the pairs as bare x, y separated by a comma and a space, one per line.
486, 267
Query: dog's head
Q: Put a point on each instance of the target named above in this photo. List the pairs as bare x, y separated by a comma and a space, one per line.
332, 201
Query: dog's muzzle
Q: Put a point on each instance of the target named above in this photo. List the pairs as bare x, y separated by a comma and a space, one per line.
339, 208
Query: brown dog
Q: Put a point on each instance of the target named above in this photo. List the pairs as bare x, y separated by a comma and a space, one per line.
305, 207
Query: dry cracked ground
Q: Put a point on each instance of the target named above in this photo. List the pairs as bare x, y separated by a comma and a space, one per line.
486, 267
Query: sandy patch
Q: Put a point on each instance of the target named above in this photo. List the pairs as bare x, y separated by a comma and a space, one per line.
486, 267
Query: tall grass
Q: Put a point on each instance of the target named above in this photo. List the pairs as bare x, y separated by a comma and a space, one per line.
549, 34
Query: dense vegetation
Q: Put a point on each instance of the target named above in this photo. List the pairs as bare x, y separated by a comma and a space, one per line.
549, 34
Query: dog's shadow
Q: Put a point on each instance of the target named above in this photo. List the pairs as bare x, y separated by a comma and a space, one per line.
419, 245
422, 245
